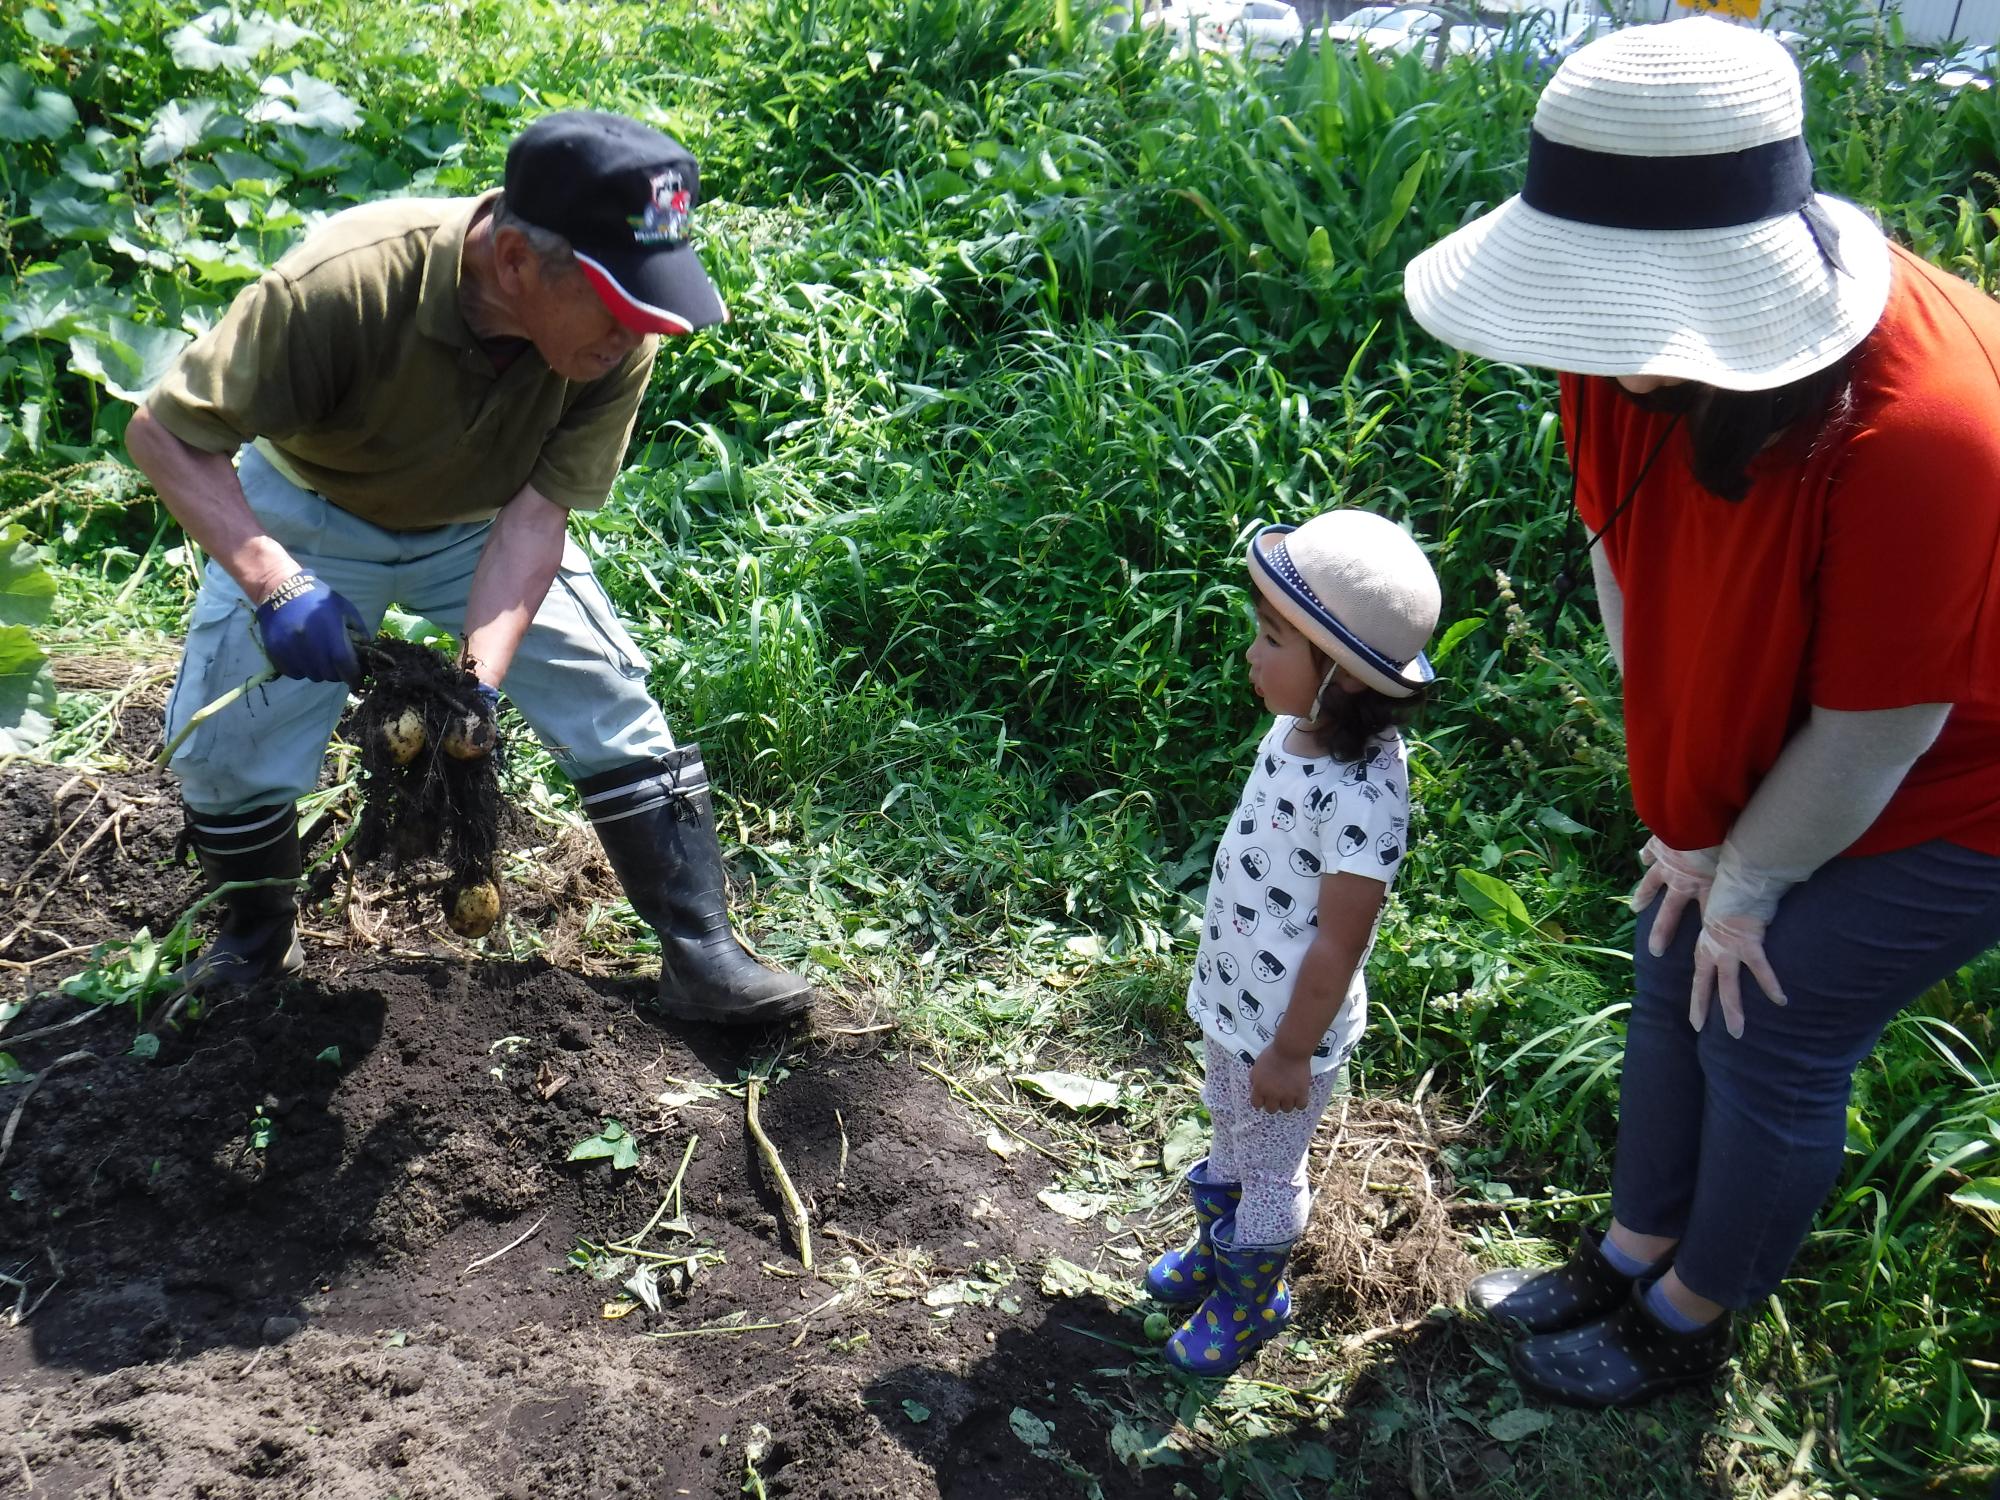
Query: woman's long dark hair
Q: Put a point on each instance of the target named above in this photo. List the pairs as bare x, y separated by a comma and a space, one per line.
1727, 429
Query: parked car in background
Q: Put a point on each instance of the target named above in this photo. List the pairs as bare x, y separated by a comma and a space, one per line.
1386, 28
1262, 28
1256, 28
1475, 40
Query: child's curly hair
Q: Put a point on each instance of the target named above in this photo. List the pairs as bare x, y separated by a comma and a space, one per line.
1348, 721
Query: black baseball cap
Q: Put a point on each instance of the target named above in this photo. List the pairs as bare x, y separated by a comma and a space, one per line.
623, 195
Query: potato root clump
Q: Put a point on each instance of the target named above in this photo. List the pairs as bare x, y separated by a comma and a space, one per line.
430, 787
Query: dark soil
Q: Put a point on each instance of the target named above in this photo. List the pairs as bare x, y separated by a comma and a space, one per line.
207, 1317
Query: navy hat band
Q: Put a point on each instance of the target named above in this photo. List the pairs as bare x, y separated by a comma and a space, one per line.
1284, 573
1716, 191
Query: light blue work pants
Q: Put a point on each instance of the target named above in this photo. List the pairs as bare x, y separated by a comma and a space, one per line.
578, 678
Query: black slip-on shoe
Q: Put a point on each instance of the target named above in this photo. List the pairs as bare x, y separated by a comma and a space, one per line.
1621, 1359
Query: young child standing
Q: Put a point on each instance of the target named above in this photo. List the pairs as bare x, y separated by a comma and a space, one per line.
1345, 604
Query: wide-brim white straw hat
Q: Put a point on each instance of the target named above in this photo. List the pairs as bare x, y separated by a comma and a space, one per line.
1668, 225
1358, 587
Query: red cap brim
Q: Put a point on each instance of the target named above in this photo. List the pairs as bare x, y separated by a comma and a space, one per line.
662, 293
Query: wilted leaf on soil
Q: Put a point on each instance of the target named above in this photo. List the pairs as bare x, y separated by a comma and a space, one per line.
1186, 1141
1077, 1206
1071, 1090
1030, 1428
1065, 1278
1522, 1421
1142, 1447
614, 1142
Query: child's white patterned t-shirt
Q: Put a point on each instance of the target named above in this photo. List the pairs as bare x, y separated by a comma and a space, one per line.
1299, 818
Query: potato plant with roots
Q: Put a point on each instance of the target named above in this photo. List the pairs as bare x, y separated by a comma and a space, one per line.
430, 786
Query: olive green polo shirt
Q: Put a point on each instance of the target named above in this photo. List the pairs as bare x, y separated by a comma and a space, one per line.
351, 359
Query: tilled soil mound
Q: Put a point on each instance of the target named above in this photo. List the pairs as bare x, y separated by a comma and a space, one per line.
245, 1266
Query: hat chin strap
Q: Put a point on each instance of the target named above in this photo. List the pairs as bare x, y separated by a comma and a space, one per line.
1319, 697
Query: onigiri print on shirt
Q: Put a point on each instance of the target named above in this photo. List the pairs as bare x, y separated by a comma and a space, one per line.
1299, 818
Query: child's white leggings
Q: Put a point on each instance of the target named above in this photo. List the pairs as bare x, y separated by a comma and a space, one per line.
1265, 1152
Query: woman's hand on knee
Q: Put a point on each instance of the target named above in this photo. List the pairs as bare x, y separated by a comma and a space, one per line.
1727, 946
1679, 878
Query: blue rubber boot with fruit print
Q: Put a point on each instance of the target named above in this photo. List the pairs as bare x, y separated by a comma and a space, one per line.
1249, 1305
1181, 1278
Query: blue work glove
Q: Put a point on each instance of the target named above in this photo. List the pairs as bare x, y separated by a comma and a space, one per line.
310, 631
489, 695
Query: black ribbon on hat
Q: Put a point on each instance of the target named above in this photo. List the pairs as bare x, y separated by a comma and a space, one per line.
1716, 191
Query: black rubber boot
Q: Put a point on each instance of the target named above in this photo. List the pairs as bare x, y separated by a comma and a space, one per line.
259, 938
1586, 1286
1621, 1359
657, 824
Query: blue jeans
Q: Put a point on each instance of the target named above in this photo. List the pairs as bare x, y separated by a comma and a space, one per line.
578, 678
1731, 1145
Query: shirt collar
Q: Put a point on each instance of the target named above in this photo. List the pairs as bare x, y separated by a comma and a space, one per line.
438, 313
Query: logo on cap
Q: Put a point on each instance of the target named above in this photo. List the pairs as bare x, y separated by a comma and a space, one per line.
665, 220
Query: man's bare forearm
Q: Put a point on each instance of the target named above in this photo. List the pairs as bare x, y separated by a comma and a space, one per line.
516, 567
201, 491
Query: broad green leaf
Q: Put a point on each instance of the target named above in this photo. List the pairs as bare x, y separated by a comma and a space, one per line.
65, 215
222, 264
29, 112
71, 28
180, 127
613, 1142
88, 168
145, 1046
124, 357
27, 592
27, 692
435, 142
1522, 1421
222, 39
309, 154
1071, 1090
47, 302
1557, 821
916, 1411
302, 100
1493, 900
11, 1070
238, 167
